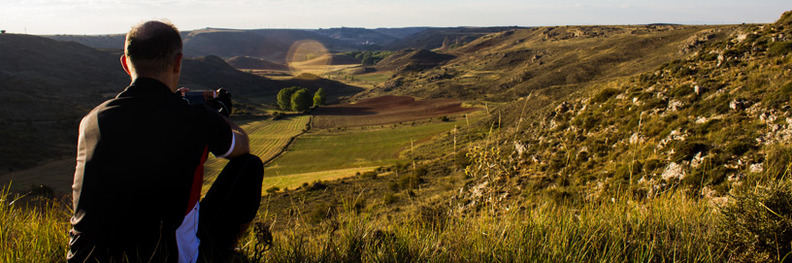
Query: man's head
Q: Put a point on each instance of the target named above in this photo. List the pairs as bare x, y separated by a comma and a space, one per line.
153, 49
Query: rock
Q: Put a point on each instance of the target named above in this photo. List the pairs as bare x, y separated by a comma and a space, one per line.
673, 170
756, 168
738, 104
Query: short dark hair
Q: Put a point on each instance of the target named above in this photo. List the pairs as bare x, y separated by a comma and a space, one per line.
152, 46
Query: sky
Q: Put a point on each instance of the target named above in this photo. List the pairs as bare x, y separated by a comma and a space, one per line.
117, 16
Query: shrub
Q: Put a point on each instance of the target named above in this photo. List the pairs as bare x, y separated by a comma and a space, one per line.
319, 97
685, 150
779, 97
369, 175
778, 160
604, 95
779, 48
300, 100
758, 224
284, 97
273, 189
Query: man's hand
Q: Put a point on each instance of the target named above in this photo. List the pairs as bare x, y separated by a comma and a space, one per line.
222, 103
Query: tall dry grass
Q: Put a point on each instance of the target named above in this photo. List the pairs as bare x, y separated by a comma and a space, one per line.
34, 230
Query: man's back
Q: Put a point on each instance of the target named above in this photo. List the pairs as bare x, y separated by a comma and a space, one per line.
139, 170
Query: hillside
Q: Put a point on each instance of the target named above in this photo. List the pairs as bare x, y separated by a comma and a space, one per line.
111, 41
704, 124
511, 64
49, 85
411, 60
269, 44
364, 38
244, 62
687, 160
431, 38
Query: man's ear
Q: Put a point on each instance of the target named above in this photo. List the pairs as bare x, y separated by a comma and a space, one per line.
125, 65
178, 63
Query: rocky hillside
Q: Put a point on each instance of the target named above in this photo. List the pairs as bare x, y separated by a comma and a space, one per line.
510, 64
704, 123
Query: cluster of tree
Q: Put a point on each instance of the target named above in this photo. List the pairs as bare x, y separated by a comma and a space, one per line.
299, 99
369, 58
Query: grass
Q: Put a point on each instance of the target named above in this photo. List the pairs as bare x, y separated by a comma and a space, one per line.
293, 181
33, 230
353, 147
668, 228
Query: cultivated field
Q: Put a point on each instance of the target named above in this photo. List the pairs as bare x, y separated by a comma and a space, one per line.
385, 110
267, 139
366, 146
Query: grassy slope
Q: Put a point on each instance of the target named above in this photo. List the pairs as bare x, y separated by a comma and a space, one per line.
559, 60
355, 147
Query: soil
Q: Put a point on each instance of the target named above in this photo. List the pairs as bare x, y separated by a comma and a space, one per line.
385, 110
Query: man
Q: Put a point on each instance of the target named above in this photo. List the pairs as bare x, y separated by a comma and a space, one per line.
140, 166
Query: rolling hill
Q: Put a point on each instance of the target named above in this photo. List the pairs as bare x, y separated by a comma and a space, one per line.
49, 85
244, 62
510, 64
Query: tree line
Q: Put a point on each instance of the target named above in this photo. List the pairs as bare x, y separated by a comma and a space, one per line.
299, 99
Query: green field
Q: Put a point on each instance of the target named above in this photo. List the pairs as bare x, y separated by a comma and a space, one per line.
293, 181
267, 139
354, 147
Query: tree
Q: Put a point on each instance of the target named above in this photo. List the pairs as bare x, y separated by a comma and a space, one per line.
300, 100
285, 96
319, 97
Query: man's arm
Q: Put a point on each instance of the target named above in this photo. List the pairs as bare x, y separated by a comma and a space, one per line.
241, 142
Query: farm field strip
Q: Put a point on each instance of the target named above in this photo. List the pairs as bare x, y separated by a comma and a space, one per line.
354, 147
267, 139
293, 181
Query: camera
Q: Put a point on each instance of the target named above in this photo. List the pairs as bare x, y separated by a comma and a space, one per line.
199, 96
219, 100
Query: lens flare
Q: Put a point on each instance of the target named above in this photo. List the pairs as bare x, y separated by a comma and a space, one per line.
307, 56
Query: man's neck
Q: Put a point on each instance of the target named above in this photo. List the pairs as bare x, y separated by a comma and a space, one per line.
167, 80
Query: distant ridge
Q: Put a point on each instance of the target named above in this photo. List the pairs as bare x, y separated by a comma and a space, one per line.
245, 62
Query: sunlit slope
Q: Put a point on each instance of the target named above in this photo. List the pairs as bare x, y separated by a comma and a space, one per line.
509, 64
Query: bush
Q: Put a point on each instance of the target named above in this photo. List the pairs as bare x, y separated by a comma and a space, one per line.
319, 97
300, 100
685, 150
273, 189
778, 160
369, 175
779, 48
604, 95
758, 224
285, 96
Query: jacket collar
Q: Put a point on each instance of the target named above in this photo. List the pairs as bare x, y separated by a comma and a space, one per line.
146, 87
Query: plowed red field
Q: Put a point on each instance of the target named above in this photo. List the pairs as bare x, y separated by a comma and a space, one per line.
385, 110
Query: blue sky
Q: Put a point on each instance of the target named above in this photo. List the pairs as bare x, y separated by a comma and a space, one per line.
116, 16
